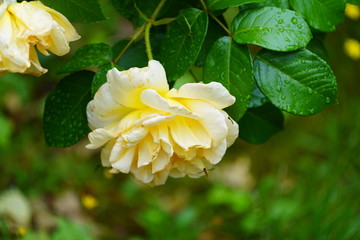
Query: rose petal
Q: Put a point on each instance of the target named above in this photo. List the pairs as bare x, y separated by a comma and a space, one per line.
126, 86
213, 93
121, 158
104, 110
99, 137
154, 100
212, 120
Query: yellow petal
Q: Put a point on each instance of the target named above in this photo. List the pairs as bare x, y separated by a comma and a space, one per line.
104, 110
143, 174
213, 93
189, 133
154, 100
36, 21
233, 129
121, 158
126, 86
99, 137
216, 153
160, 163
15, 51
212, 119
105, 153
69, 30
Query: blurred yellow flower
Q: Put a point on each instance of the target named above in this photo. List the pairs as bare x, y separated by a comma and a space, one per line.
153, 132
352, 48
21, 231
352, 11
89, 201
26, 24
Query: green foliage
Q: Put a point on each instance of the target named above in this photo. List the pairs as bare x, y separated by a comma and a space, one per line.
84, 11
298, 82
195, 43
231, 65
357, 2
222, 4
91, 55
272, 28
6, 130
182, 44
322, 15
260, 123
65, 121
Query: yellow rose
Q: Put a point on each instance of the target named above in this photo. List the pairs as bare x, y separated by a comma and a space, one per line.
153, 132
26, 24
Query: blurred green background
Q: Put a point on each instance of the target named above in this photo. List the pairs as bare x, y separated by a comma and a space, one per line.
304, 183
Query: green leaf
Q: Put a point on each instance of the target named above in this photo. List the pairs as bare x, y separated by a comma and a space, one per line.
322, 15
83, 11
211, 36
268, 3
231, 65
135, 55
183, 42
91, 55
298, 82
259, 124
65, 120
222, 4
356, 2
100, 77
272, 28
317, 46
258, 98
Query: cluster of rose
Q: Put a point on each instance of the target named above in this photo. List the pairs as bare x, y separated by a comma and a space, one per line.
150, 130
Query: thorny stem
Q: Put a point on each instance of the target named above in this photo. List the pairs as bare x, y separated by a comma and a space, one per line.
215, 18
145, 27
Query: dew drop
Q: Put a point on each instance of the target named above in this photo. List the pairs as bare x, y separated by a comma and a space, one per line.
294, 20
281, 30
327, 100
310, 91
299, 26
282, 97
280, 21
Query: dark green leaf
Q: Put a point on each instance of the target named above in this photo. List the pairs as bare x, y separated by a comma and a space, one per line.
259, 124
211, 36
298, 82
65, 120
91, 55
323, 15
258, 98
231, 65
100, 77
272, 28
222, 4
127, 9
357, 2
183, 42
135, 55
83, 11
317, 46
268, 3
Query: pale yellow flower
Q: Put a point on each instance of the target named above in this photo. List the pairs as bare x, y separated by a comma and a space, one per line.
352, 48
26, 24
153, 132
352, 11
